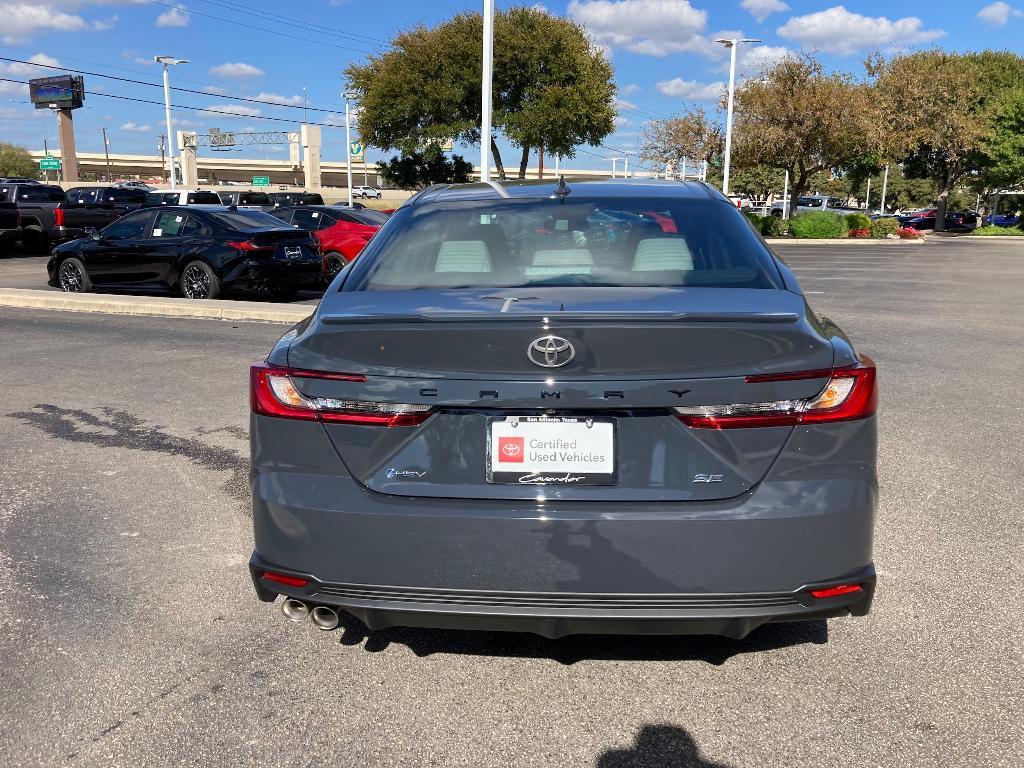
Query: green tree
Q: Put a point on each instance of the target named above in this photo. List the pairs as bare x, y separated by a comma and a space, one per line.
417, 170
16, 161
552, 89
690, 138
1003, 162
947, 105
796, 118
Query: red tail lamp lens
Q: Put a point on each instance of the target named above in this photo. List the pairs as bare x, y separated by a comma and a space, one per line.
849, 394
836, 591
273, 392
282, 578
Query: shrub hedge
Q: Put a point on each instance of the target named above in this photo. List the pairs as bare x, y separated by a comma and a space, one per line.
857, 221
818, 224
882, 228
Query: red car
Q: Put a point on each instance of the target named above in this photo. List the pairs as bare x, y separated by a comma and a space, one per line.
341, 231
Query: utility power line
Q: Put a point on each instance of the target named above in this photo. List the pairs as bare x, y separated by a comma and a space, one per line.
207, 110
291, 21
237, 23
173, 88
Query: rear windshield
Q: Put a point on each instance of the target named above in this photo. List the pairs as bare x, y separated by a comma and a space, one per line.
367, 216
203, 198
606, 242
253, 198
248, 220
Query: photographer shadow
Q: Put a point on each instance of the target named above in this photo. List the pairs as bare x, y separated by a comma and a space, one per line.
658, 746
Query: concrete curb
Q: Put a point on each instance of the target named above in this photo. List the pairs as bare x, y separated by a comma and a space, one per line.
841, 241
155, 306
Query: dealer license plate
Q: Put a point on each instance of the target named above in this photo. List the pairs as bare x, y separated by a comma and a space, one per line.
551, 450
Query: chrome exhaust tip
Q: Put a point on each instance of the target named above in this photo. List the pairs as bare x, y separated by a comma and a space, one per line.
294, 610
325, 618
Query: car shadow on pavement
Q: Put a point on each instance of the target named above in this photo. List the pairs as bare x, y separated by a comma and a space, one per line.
658, 746
711, 649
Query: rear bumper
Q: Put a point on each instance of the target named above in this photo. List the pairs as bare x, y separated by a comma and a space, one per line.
556, 567
556, 615
255, 275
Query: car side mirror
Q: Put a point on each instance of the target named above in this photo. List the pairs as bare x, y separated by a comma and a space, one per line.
91, 232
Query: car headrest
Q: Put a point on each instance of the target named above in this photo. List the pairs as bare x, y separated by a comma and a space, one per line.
463, 256
659, 254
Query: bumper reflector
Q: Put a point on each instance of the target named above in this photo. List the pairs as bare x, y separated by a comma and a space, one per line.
281, 578
836, 591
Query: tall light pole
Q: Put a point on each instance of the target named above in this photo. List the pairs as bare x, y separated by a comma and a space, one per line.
106, 152
731, 44
485, 92
167, 62
348, 95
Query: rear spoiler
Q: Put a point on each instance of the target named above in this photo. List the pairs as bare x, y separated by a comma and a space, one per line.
576, 317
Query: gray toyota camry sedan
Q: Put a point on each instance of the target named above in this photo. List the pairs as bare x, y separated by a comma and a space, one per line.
584, 407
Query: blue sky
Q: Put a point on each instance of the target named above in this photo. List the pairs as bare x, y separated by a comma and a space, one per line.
662, 50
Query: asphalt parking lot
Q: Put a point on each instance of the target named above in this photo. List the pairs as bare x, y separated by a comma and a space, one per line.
130, 635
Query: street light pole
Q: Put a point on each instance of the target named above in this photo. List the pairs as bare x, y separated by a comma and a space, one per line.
167, 62
348, 144
485, 92
885, 185
106, 152
731, 44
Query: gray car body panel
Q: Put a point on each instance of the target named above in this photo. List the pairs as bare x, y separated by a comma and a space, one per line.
795, 506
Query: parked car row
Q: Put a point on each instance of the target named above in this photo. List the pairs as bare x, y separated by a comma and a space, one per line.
42, 215
202, 250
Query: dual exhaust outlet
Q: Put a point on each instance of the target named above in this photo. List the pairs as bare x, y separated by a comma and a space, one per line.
324, 617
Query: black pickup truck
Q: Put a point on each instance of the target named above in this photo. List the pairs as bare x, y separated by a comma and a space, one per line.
47, 219
10, 226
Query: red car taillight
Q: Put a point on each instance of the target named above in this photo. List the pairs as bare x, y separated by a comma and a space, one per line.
850, 394
58, 217
249, 246
272, 392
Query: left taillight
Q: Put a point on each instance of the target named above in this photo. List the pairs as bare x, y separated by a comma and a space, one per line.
850, 394
248, 246
272, 392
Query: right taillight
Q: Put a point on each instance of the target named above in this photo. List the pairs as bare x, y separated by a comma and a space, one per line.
58, 217
850, 394
272, 392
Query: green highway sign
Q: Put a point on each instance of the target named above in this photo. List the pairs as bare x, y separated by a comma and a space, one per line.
261, 181
49, 163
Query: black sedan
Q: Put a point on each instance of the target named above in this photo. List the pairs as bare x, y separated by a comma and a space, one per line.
199, 250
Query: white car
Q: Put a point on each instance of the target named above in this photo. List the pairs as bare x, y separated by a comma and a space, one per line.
366, 192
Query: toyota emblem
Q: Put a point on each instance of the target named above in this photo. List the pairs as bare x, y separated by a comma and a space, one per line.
550, 352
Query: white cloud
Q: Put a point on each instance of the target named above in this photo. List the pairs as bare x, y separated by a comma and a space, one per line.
629, 89
236, 69
235, 110
17, 71
622, 122
998, 13
753, 59
843, 33
691, 90
178, 16
649, 27
103, 26
133, 128
623, 104
22, 20
762, 9
276, 98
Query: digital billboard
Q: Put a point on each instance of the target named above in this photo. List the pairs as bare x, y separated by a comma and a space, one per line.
62, 92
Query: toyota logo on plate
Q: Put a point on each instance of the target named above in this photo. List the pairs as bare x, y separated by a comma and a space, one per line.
511, 449
550, 352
